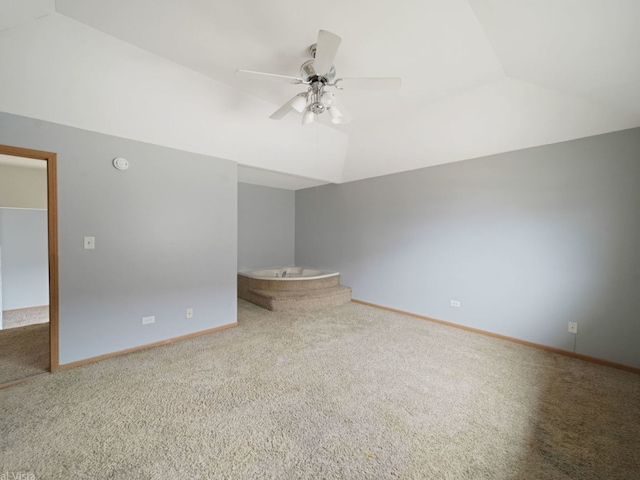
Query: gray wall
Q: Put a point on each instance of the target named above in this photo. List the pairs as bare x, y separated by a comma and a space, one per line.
526, 241
266, 227
25, 261
166, 238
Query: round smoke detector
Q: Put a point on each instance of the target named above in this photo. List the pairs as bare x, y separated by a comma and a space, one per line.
121, 163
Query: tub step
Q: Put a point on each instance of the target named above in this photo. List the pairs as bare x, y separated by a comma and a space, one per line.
279, 301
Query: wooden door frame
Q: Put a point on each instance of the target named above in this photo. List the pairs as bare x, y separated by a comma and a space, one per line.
52, 220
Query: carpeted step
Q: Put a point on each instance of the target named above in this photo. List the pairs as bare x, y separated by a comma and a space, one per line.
280, 301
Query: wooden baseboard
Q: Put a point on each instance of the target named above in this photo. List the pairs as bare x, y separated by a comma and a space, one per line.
567, 353
22, 380
86, 361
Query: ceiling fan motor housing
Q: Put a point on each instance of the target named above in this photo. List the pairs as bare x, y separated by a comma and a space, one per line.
315, 98
316, 83
308, 73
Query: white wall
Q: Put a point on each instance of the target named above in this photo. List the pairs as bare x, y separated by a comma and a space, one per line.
23, 187
266, 227
25, 259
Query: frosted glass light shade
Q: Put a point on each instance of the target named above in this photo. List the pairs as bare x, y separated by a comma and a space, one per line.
336, 115
327, 98
308, 117
299, 103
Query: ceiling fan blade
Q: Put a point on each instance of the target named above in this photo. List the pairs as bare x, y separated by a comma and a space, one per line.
369, 83
326, 50
293, 104
268, 76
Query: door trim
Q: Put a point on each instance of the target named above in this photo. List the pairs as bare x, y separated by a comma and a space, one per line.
52, 218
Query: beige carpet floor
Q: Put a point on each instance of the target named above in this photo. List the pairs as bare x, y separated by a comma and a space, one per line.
25, 316
350, 392
24, 351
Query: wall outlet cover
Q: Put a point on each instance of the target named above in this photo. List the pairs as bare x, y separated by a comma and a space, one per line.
89, 243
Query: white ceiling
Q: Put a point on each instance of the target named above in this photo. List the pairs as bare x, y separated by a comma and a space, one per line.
259, 176
479, 76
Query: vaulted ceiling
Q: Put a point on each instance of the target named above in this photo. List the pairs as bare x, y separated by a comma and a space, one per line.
479, 77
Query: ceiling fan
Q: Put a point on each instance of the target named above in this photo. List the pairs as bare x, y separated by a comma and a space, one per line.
318, 74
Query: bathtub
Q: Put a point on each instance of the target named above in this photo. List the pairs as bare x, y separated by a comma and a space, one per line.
288, 274
292, 288
255, 284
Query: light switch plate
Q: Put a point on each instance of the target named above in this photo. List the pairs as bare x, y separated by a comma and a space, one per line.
89, 243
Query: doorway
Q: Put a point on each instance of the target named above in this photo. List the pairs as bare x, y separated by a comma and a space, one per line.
52, 361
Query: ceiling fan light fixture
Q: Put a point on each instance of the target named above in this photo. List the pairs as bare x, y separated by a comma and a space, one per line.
317, 108
336, 115
308, 117
299, 103
327, 98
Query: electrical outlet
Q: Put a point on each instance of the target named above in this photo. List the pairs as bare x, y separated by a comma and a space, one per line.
455, 303
189, 312
573, 327
148, 320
